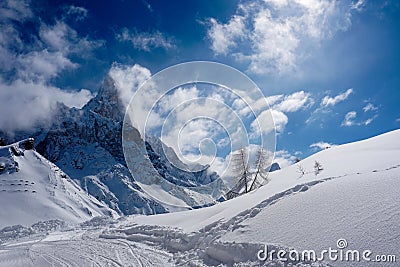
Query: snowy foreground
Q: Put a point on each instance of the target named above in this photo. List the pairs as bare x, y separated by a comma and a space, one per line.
354, 200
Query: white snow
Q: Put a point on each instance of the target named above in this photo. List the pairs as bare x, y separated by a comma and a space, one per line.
35, 190
354, 197
359, 158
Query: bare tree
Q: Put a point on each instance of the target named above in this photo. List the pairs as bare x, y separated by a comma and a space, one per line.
260, 165
301, 170
240, 166
317, 168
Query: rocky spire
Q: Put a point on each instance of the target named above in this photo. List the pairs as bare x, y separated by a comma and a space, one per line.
107, 102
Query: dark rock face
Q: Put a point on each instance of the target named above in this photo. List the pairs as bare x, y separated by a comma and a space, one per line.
28, 144
86, 144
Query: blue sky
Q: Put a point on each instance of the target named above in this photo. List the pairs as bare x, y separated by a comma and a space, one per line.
332, 68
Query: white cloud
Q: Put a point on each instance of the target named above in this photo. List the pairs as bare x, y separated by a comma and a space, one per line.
272, 100
29, 103
273, 36
179, 96
369, 107
284, 158
27, 95
146, 41
223, 36
279, 106
128, 79
321, 145
349, 119
196, 119
48, 56
279, 122
294, 102
359, 5
332, 101
51, 56
78, 12
15, 10
43, 65
369, 120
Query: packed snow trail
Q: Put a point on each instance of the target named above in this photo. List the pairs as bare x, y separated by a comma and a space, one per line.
143, 246
82, 248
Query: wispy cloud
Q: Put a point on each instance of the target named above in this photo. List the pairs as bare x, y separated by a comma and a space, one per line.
349, 118
370, 107
146, 41
359, 5
273, 36
332, 101
328, 102
79, 13
369, 120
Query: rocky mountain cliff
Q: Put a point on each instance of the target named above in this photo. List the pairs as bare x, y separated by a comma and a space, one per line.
86, 144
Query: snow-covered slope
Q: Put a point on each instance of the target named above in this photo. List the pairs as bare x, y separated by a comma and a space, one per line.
355, 197
361, 158
33, 189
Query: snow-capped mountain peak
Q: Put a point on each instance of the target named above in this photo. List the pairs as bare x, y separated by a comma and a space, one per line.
107, 102
87, 145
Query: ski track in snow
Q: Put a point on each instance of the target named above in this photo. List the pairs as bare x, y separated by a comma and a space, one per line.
86, 250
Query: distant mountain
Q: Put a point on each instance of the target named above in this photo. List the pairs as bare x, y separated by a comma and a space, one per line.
33, 189
87, 144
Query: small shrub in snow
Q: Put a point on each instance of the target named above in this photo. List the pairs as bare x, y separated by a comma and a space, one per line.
301, 170
317, 168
